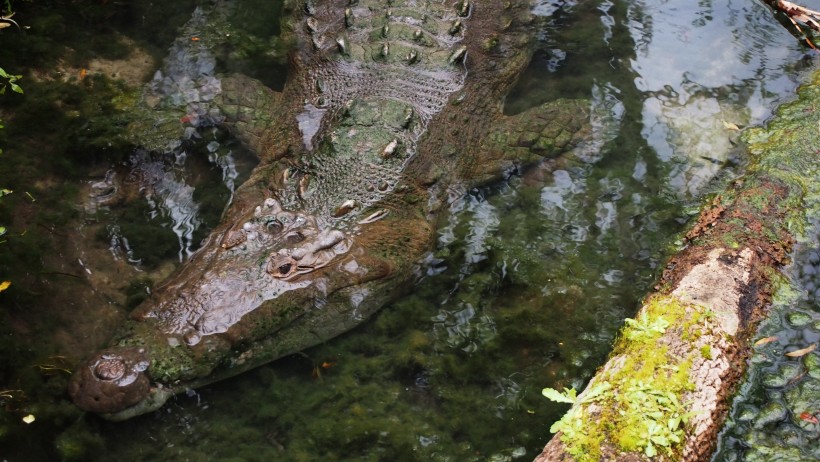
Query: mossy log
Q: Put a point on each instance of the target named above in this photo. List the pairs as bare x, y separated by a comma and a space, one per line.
665, 390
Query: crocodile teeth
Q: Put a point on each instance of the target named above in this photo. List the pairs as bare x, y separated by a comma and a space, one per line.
417, 34
345, 208
458, 55
386, 30
385, 49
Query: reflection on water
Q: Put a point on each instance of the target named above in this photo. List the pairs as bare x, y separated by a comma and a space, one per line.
692, 97
531, 277
697, 72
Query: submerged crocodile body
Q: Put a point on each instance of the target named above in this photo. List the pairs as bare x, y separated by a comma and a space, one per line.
391, 107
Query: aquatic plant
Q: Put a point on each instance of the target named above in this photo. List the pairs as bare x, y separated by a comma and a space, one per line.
9, 81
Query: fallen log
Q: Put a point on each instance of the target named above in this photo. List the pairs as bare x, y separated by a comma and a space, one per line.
796, 15
665, 390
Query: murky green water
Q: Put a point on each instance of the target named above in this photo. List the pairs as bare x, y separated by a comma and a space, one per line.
529, 282
775, 415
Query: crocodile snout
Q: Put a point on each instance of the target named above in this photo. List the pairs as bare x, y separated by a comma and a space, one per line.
111, 381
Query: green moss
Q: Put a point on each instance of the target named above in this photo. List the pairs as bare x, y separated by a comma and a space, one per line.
643, 412
706, 352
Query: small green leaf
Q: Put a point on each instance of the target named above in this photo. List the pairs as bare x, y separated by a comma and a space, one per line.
674, 423
660, 440
557, 426
568, 396
16, 88
650, 450
2, 230
597, 391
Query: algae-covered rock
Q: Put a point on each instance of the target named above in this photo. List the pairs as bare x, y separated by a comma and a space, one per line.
812, 365
805, 397
799, 319
785, 373
772, 412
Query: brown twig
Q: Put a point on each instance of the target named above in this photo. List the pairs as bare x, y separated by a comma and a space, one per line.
799, 14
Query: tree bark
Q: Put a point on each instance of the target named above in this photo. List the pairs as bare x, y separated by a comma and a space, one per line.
691, 336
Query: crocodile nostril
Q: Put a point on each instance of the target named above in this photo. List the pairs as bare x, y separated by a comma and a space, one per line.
295, 237
274, 226
112, 381
110, 368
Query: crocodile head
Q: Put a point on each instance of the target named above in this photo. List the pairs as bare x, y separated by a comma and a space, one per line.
270, 283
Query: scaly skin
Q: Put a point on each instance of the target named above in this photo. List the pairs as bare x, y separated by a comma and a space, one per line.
391, 107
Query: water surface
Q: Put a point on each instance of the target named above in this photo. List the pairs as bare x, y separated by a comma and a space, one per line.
528, 284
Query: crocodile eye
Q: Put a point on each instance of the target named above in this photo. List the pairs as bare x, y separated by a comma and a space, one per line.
295, 237
281, 266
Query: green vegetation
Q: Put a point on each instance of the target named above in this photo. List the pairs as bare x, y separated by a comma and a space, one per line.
9, 81
637, 404
644, 329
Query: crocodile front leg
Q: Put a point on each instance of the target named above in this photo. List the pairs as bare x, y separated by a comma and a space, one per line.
543, 132
253, 115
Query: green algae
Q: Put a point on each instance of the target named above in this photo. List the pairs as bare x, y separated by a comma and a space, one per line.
784, 150
799, 319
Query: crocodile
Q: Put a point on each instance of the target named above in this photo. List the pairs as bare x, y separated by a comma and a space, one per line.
391, 109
